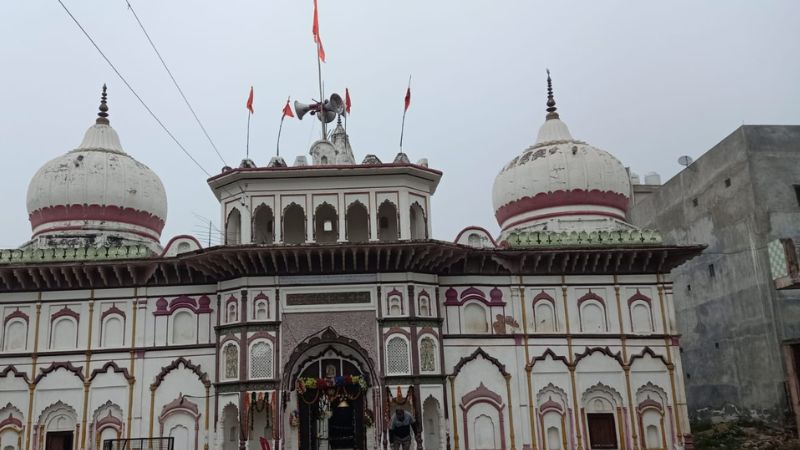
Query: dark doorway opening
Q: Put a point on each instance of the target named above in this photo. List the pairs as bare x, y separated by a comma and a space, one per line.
602, 431
59, 440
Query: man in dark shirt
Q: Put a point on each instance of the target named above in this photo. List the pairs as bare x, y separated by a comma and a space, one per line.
400, 430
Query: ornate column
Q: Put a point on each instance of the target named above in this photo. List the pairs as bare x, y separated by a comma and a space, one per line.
454, 412
670, 365
510, 412
34, 357
626, 367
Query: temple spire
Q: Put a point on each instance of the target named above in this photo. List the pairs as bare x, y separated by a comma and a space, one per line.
551, 102
102, 116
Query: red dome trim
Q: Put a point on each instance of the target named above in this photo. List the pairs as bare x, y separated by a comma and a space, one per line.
561, 198
108, 213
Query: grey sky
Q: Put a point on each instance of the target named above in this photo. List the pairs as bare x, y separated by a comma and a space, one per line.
647, 82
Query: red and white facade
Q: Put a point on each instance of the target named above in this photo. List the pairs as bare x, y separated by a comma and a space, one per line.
328, 274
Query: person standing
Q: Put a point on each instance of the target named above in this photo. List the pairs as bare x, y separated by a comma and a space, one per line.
400, 430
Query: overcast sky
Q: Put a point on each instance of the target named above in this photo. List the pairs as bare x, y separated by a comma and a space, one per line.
648, 82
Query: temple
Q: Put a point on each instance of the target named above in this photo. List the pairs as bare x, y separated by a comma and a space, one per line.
329, 306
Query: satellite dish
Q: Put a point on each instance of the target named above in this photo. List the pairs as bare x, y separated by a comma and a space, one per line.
685, 160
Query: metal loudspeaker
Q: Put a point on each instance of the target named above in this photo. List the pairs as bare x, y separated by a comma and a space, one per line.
336, 104
302, 109
327, 114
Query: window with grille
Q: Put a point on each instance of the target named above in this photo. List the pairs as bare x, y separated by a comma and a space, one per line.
397, 361
261, 360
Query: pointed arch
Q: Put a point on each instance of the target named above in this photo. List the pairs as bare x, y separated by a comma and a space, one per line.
294, 224
186, 363
604, 350
233, 227
77, 371
326, 224
418, 221
357, 222
479, 352
110, 365
263, 225
388, 220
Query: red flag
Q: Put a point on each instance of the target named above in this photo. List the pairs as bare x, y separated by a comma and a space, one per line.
250, 101
315, 32
287, 110
264, 443
347, 102
408, 98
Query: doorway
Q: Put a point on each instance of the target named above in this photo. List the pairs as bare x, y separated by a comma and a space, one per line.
59, 440
602, 431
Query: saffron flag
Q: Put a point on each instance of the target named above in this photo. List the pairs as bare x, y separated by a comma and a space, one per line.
264, 443
287, 110
250, 101
408, 98
315, 32
347, 102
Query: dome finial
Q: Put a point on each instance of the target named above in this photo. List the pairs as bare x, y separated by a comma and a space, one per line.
102, 116
551, 102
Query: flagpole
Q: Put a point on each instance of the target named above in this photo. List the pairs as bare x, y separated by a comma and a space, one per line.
321, 97
248, 134
403, 126
283, 116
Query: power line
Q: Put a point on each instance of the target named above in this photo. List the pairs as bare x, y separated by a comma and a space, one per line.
174, 81
164, 127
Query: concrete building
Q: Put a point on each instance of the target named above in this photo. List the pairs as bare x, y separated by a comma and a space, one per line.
739, 326
329, 306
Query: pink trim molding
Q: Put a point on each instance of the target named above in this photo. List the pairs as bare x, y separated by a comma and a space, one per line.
109, 213
562, 198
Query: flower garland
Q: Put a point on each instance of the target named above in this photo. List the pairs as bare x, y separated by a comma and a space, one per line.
304, 384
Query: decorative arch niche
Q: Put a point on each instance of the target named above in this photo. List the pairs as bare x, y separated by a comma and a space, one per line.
294, 224
233, 227
388, 230
326, 224
357, 222
552, 415
263, 225
418, 221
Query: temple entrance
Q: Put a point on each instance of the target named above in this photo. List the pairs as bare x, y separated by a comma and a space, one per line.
331, 393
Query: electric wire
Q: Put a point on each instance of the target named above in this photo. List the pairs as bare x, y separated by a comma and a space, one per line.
133, 91
174, 81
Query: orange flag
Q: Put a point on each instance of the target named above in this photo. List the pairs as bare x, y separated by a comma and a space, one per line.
347, 103
408, 98
250, 100
315, 32
287, 110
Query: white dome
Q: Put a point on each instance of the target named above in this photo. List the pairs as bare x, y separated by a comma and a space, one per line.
97, 188
560, 180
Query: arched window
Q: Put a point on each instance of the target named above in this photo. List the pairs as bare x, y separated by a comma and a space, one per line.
427, 355
294, 224
424, 306
395, 305
184, 326
357, 222
485, 437
640, 317
419, 228
397, 360
231, 361
475, 319
544, 316
261, 360
15, 335
113, 331
593, 318
233, 228
263, 225
326, 224
262, 310
387, 222
65, 334
233, 313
